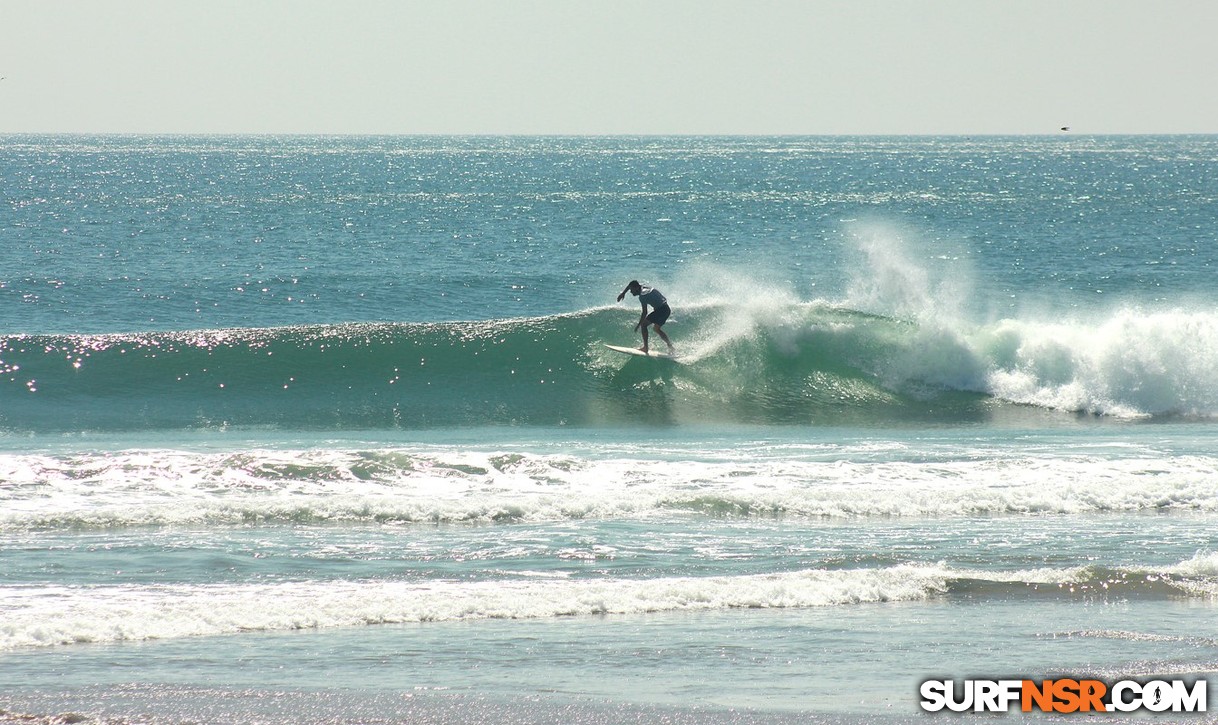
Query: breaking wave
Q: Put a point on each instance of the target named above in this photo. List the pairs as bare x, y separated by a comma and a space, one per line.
788, 363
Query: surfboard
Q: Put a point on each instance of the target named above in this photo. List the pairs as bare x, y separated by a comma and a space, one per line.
637, 352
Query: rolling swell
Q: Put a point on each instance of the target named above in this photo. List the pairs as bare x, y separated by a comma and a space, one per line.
799, 363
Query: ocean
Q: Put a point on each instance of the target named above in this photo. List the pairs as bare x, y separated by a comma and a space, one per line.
324, 429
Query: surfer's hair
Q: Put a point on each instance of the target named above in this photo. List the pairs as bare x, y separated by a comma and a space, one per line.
633, 284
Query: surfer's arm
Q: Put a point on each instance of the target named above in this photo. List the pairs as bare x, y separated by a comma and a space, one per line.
642, 317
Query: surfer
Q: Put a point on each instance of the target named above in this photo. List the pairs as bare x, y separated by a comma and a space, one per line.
659, 312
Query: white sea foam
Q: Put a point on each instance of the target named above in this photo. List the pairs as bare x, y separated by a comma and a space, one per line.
157, 487
1198, 575
48, 616
1204, 564
1131, 363
52, 616
1126, 364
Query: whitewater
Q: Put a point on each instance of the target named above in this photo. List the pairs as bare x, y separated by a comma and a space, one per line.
324, 429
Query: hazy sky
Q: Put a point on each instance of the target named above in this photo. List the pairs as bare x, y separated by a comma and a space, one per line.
609, 67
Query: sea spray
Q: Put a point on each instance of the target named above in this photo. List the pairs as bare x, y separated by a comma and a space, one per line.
896, 273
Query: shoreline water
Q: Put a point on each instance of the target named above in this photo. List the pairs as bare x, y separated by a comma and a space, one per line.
787, 665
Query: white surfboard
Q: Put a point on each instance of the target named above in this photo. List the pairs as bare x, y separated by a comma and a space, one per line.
640, 353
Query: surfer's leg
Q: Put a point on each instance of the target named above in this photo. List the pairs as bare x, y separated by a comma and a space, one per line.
643, 328
664, 338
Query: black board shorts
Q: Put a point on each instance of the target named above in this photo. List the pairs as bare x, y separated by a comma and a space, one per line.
659, 315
